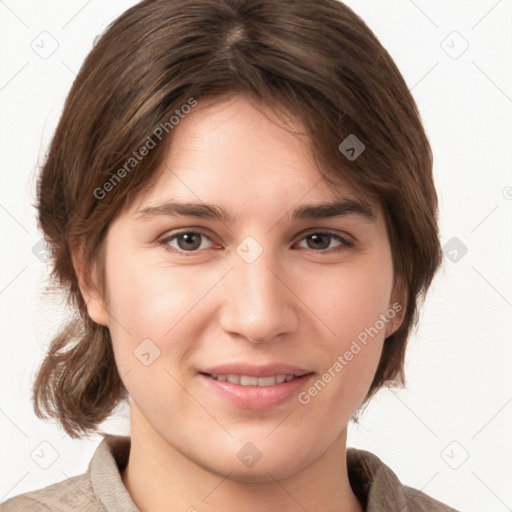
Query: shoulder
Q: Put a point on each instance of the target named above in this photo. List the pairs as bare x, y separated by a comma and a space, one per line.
22, 503
99, 489
421, 502
379, 489
74, 493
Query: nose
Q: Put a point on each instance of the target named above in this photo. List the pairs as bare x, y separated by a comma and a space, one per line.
258, 301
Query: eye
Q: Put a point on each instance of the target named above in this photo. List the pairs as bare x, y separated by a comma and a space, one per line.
192, 242
321, 240
185, 241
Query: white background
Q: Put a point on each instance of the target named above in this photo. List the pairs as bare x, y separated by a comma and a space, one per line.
448, 432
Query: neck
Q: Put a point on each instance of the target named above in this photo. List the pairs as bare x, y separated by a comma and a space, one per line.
159, 477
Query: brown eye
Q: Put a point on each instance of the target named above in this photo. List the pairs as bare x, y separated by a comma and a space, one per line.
189, 241
320, 241
186, 241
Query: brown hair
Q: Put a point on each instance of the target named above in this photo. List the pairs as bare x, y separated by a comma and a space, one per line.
314, 59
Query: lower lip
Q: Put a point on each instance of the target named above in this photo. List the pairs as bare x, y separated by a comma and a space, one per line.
256, 397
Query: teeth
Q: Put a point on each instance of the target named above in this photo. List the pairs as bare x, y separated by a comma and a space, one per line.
266, 381
247, 380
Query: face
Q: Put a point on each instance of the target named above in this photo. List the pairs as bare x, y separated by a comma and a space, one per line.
210, 313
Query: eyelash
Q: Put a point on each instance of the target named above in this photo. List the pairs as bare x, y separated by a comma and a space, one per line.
164, 242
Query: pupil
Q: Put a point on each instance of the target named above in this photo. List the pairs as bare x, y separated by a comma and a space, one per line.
189, 240
315, 238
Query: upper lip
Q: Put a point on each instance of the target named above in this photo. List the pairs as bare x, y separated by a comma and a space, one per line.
264, 370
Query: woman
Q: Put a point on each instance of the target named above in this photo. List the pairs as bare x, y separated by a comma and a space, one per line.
239, 200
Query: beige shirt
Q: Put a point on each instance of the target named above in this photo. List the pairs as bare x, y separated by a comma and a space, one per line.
101, 488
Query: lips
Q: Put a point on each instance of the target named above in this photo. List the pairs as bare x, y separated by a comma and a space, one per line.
255, 387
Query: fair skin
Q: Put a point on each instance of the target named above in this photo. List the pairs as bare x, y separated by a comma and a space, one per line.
302, 302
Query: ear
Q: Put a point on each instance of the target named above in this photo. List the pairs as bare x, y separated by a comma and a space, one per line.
397, 307
96, 306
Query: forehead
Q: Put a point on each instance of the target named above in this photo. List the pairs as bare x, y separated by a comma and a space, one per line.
240, 152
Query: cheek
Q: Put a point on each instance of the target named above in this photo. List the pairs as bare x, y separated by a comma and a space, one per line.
153, 298
157, 303
349, 359
350, 300
148, 324
353, 305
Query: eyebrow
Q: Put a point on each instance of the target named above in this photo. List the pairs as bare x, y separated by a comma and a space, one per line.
339, 208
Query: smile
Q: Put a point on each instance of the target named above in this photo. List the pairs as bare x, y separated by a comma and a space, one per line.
262, 392
247, 380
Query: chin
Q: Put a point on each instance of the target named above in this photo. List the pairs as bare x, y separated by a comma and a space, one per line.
263, 473
271, 463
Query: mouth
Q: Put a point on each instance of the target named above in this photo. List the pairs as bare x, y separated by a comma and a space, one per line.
249, 380
255, 387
